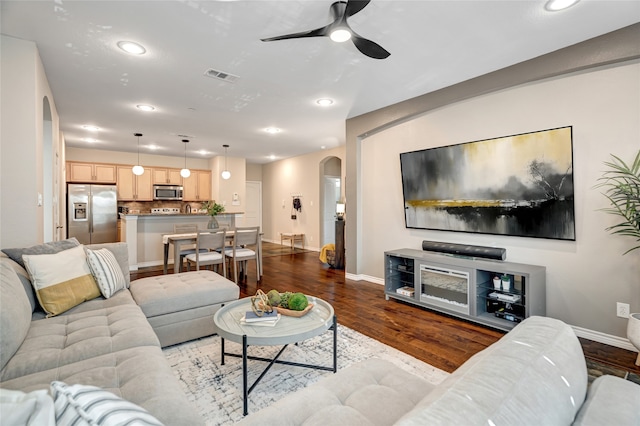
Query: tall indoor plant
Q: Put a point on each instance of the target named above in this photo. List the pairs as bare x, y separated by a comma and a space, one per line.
622, 187
213, 209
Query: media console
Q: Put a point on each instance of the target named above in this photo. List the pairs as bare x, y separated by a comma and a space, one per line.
463, 286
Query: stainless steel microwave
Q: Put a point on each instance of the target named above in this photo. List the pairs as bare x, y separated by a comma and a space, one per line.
167, 192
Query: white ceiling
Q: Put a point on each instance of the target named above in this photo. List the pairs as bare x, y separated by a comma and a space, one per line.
433, 44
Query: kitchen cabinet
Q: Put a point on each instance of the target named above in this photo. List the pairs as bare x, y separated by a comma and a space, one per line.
197, 187
91, 172
166, 176
132, 187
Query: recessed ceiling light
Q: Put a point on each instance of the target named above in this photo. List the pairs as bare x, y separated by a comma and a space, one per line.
91, 128
323, 147
202, 152
153, 147
145, 107
131, 47
272, 130
555, 5
324, 102
90, 140
272, 157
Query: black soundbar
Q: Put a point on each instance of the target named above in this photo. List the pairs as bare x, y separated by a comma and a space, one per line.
494, 253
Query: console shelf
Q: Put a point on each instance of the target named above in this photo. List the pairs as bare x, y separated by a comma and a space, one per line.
463, 286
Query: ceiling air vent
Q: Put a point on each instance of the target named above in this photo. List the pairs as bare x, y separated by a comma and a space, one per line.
221, 75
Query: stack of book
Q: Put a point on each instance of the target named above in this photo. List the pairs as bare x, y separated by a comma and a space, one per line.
268, 319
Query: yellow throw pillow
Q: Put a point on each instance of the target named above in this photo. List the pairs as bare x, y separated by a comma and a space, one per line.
61, 280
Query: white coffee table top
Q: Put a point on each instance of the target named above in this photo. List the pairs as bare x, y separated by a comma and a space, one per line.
287, 330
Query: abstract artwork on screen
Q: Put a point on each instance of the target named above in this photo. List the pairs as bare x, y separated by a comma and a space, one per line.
519, 185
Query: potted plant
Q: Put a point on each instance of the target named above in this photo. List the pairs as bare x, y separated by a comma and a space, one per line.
496, 282
622, 188
213, 209
506, 282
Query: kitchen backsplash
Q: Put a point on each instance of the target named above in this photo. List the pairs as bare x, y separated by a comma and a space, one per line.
146, 206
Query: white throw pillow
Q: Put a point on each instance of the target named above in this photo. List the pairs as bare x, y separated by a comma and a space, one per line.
26, 409
80, 405
106, 271
61, 280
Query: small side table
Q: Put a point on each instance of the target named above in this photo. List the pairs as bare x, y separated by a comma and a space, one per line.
288, 236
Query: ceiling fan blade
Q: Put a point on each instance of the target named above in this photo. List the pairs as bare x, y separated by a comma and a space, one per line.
355, 6
369, 48
318, 32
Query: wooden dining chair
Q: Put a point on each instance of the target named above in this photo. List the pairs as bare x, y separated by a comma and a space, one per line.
244, 248
208, 244
185, 228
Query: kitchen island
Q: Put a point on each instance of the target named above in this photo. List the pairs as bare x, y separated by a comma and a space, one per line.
143, 233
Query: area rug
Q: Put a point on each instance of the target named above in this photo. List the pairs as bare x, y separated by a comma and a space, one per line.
216, 390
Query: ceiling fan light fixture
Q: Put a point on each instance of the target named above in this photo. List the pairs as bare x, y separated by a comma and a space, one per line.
340, 35
138, 169
185, 173
556, 5
132, 47
226, 174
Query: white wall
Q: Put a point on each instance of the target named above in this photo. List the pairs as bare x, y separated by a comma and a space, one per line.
24, 86
585, 278
297, 175
146, 159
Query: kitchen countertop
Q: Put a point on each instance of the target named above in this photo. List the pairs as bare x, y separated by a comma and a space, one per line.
175, 214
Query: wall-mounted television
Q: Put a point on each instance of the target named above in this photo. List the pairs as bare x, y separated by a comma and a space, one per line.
519, 185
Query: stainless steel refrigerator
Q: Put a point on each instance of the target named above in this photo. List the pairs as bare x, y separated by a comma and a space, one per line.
92, 215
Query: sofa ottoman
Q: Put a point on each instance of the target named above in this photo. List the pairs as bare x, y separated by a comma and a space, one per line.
180, 307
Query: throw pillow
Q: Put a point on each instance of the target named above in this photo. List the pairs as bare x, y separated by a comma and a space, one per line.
90, 405
106, 271
61, 280
26, 409
47, 248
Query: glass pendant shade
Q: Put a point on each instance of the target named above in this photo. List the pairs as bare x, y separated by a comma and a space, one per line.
226, 174
138, 169
185, 173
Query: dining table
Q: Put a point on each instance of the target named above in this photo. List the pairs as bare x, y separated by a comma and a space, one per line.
179, 240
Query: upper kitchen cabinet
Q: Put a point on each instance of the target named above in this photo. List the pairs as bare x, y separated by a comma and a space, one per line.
197, 187
166, 176
91, 172
132, 187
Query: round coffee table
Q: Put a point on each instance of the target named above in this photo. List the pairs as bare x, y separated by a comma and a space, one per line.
286, 331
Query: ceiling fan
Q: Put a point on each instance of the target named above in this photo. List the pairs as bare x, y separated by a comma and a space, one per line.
340, 31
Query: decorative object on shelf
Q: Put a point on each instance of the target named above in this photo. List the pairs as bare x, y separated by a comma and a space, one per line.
633, 333
622, 188
185, 173
340, 209
506, 282
212, 208
497, 283
260, 303
138, 169
287, 303
226, 174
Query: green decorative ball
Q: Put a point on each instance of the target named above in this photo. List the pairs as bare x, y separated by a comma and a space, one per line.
298, 302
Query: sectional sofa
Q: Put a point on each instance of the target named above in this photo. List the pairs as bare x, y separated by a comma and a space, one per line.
535, 375
103, 344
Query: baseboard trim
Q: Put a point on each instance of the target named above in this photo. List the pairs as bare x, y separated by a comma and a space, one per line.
362, 277
607, 339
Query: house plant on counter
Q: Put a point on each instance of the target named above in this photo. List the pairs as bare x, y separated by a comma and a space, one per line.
213, 209
622, 187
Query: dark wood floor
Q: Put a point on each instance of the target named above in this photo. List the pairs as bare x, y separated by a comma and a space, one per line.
442, 341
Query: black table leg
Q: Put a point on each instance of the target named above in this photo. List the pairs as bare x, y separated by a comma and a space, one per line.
335, 344
222, 349
244, 376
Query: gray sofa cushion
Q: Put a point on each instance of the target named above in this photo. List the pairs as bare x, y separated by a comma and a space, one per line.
15, 313
63, 340
46, 248
23, 275
610, 401
371, 392
165, 294
535, 375
140, 375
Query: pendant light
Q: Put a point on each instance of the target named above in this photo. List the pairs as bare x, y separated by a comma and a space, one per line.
138, 169
185, 173
226, 174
